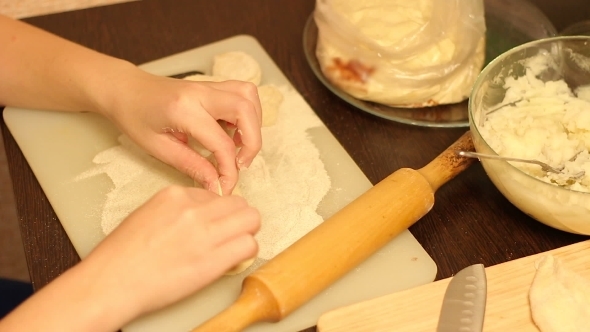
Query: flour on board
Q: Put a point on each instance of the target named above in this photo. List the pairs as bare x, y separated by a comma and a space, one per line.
286, 181
136, 177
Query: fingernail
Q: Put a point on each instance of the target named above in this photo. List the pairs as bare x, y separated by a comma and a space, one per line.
241, 164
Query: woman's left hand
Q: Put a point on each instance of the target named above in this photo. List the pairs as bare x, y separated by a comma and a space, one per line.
160, 114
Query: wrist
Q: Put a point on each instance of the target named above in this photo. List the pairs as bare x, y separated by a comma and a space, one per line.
75, 301
108, 87
105, 302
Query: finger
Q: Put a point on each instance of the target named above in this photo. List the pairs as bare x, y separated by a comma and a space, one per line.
221, 207
242, 221
249, 138
251, 146
201, 196
213, 136
249, 91
240, 112
234, 252
238, 139
180, 156
236, 91
251, 94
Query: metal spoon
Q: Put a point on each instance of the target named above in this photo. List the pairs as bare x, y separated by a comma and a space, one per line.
545, 167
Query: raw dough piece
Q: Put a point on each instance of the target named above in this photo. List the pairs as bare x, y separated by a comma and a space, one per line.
201, 78
245, 264
270, 101
559, 298
240, 267
237, 66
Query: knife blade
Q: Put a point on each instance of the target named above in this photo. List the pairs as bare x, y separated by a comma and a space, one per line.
464, 303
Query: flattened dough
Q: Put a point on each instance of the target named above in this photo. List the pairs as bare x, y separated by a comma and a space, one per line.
240, 267
237, 65
245, 264
270, 101
559, 298
202, 78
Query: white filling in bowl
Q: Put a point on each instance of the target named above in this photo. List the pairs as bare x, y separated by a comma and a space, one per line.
533, 102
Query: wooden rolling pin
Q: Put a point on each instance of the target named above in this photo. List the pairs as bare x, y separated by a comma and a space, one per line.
340, 243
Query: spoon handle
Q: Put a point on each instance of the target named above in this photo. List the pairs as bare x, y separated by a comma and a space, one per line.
544, 166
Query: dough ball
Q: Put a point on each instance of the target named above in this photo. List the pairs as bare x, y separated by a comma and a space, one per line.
237, 66
270, 101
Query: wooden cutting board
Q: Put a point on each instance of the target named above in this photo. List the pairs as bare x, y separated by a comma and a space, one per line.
417, 309
60, 146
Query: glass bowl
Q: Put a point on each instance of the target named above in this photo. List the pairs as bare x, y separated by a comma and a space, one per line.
509, 23
568, 59
581, 28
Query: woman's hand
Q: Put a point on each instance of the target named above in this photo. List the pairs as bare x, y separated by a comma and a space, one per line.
179, 241
160, 114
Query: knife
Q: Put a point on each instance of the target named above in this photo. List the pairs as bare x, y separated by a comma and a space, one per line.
464, 303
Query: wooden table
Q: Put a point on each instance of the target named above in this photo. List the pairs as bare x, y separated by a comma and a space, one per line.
471, 221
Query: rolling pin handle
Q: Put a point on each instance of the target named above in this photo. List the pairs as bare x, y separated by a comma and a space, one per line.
448, 164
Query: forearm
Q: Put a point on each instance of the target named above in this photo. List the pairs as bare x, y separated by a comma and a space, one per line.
75, 301
44, 71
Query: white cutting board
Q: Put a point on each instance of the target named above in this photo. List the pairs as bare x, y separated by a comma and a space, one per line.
60, 146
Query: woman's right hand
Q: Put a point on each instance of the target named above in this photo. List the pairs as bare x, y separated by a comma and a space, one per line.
175, 244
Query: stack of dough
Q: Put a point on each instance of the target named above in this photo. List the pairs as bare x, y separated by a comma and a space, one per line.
242, 67
401, 53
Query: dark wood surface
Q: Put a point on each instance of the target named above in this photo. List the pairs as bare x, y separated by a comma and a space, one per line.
471, 221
